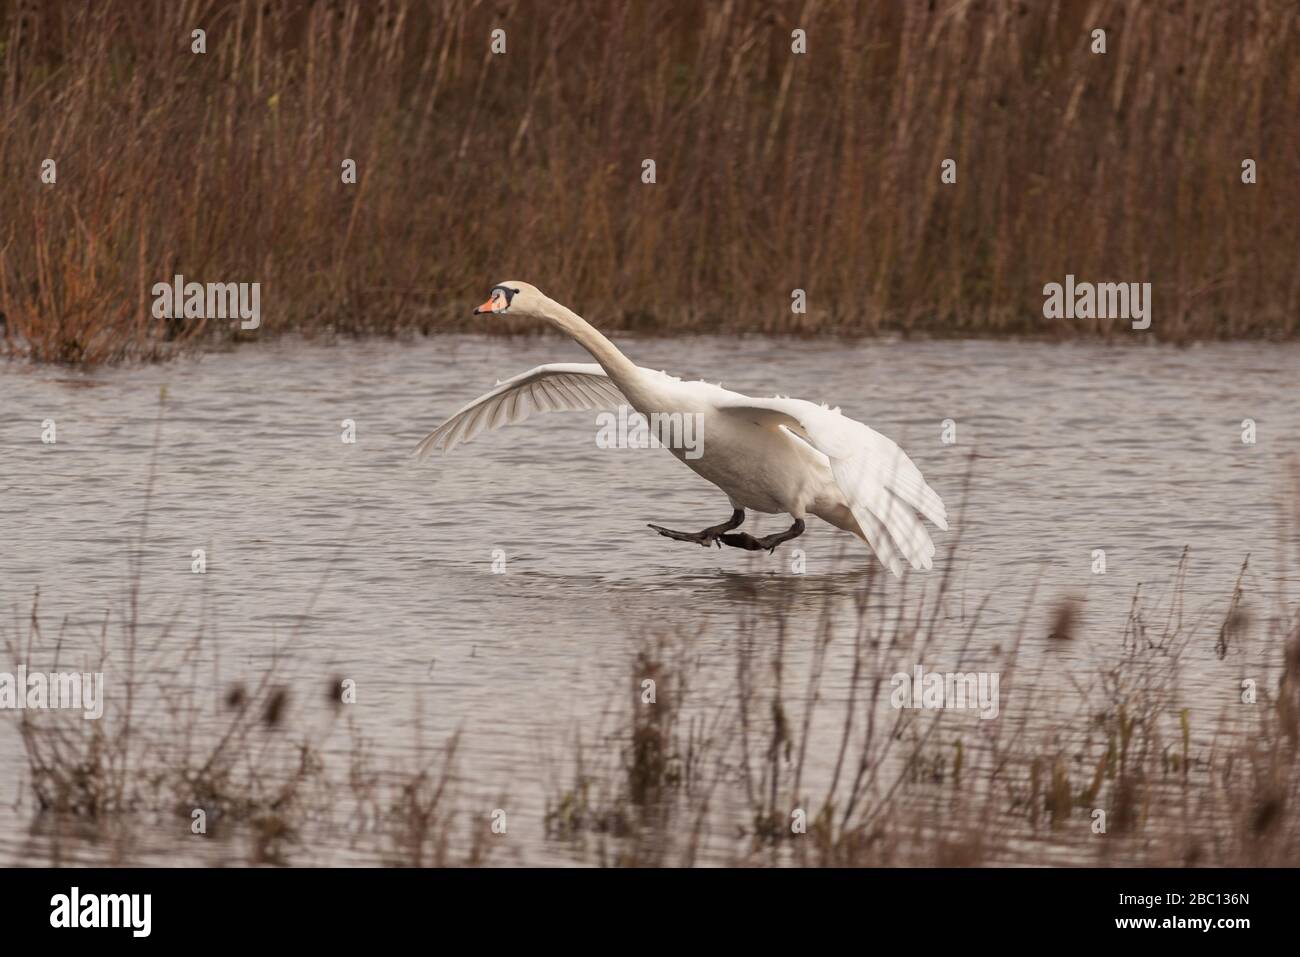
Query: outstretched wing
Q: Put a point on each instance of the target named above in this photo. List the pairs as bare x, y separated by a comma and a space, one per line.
558, 386
881, 485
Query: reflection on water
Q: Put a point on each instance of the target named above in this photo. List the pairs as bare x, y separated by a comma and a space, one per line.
501, 591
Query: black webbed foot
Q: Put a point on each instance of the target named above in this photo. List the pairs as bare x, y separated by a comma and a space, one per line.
709, 536
767, 543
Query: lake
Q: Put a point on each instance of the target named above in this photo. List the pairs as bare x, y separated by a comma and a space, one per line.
504, 590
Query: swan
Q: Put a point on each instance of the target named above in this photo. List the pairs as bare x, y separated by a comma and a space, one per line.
777, 455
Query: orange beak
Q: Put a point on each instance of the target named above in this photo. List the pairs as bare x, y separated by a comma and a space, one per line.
486, 307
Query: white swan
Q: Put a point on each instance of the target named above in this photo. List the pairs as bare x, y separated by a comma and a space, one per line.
771, 455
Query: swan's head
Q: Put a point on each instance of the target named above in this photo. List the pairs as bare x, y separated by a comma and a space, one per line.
512, 296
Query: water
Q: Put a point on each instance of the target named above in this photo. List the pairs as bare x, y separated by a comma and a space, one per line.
352, 560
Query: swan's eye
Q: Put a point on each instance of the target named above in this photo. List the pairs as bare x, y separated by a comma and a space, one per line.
498, 300
502, 296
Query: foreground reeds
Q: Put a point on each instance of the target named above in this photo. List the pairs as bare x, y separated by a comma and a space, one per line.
775, 171
1120, 763
794, 752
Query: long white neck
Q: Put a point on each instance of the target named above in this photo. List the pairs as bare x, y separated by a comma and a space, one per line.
616, 365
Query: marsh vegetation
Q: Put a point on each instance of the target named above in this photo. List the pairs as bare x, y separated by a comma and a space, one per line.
776, 171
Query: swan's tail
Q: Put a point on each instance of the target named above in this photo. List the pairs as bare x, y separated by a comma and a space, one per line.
901, 539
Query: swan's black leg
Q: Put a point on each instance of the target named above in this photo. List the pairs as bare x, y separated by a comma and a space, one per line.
709, 535
768, 542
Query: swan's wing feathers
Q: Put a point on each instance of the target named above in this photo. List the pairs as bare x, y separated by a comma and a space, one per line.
881, 485
558, 386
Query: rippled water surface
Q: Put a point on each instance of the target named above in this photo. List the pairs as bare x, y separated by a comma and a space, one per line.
501, 590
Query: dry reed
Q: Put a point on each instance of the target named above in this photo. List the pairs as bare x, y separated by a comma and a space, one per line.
775, 171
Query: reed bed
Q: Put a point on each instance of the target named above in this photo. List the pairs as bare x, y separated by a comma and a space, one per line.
774, 171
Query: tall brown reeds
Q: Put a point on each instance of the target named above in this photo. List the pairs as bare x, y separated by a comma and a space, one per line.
775, 171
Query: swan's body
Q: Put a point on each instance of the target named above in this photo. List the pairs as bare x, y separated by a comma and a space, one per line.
770, 455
